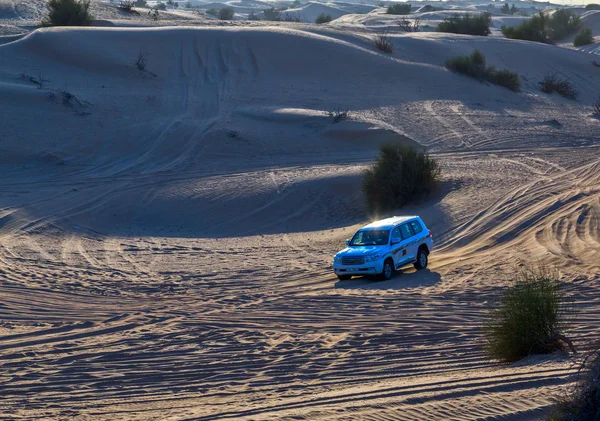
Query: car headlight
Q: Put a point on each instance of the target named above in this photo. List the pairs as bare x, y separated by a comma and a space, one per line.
337, 259
372, 258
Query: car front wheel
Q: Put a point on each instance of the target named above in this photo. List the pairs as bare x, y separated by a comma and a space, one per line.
388, 270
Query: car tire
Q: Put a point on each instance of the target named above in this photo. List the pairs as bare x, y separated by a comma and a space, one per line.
388, 270
344, 277
422, 259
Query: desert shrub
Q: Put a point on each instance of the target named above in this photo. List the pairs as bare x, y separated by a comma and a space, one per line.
141, 61
338, 115
584, 37
399, 176
160, 6
592, 6
153, 13
323, 18
212, 12
529, 318
272, 14
553, 83
384, 43
399, 9
544, 28
410, 26
581, 402
467, 24
474, 66
68, 13
226, 13
562, 23
504, 78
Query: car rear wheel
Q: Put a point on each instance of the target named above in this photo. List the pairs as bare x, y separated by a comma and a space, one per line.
344, 277
388, 270
422, 259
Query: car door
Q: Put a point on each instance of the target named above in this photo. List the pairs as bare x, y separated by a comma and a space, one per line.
408, 242
398, 246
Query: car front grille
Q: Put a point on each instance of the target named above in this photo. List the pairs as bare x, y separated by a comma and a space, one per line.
353, 260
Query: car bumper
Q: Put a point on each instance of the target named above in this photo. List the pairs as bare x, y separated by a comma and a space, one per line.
371, 268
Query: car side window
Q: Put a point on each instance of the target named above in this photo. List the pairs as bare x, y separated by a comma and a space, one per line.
416, 227
406, 232
396, 234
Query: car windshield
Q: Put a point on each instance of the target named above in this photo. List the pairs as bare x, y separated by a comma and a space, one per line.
370, 238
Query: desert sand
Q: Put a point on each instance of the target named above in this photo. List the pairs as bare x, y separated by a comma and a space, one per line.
166, 235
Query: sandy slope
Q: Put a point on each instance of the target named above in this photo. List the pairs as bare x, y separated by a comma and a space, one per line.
166, 236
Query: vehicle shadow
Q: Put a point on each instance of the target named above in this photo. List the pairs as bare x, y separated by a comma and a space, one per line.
403, 279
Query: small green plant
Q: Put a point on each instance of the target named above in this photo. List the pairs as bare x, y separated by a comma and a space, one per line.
384, 43
553, 83
399, 176
323, 18
226, 13
529, 318
584, 37
467, 24
68, 13
399, 9
474, 66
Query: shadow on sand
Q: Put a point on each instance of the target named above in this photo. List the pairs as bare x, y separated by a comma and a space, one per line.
403, 279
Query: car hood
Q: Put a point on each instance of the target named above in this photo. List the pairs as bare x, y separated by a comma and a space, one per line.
360, 251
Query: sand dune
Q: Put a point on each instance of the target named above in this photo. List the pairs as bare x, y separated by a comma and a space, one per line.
166, 235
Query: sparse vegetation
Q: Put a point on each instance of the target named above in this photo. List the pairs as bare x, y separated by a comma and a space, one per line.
467, 24
475, 66
68, 13
40, 81
596, 108
584, 37
544, 28
272, 14
529, 318
553, 83
399, 176
384, 43
154, 13
141, 61
323, 18
410, 25
581, 402
338, 115
226, 13
399, 9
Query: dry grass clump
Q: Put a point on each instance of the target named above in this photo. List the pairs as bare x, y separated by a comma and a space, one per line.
529, 318
399, 176
384, 43
553, 83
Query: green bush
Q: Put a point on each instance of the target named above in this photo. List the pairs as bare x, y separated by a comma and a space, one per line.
272, 14
592, 6
467, 24
553, 83
474, 66
528, 319
160, 6
399, 175
323, 18
68, 13
399, 9
544, 28
582, 402
226, 13
584, 37
212, 12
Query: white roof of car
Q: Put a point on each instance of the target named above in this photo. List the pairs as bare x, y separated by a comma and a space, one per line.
389, 222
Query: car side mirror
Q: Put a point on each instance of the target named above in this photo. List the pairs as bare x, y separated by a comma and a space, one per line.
347, 242
395, 241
